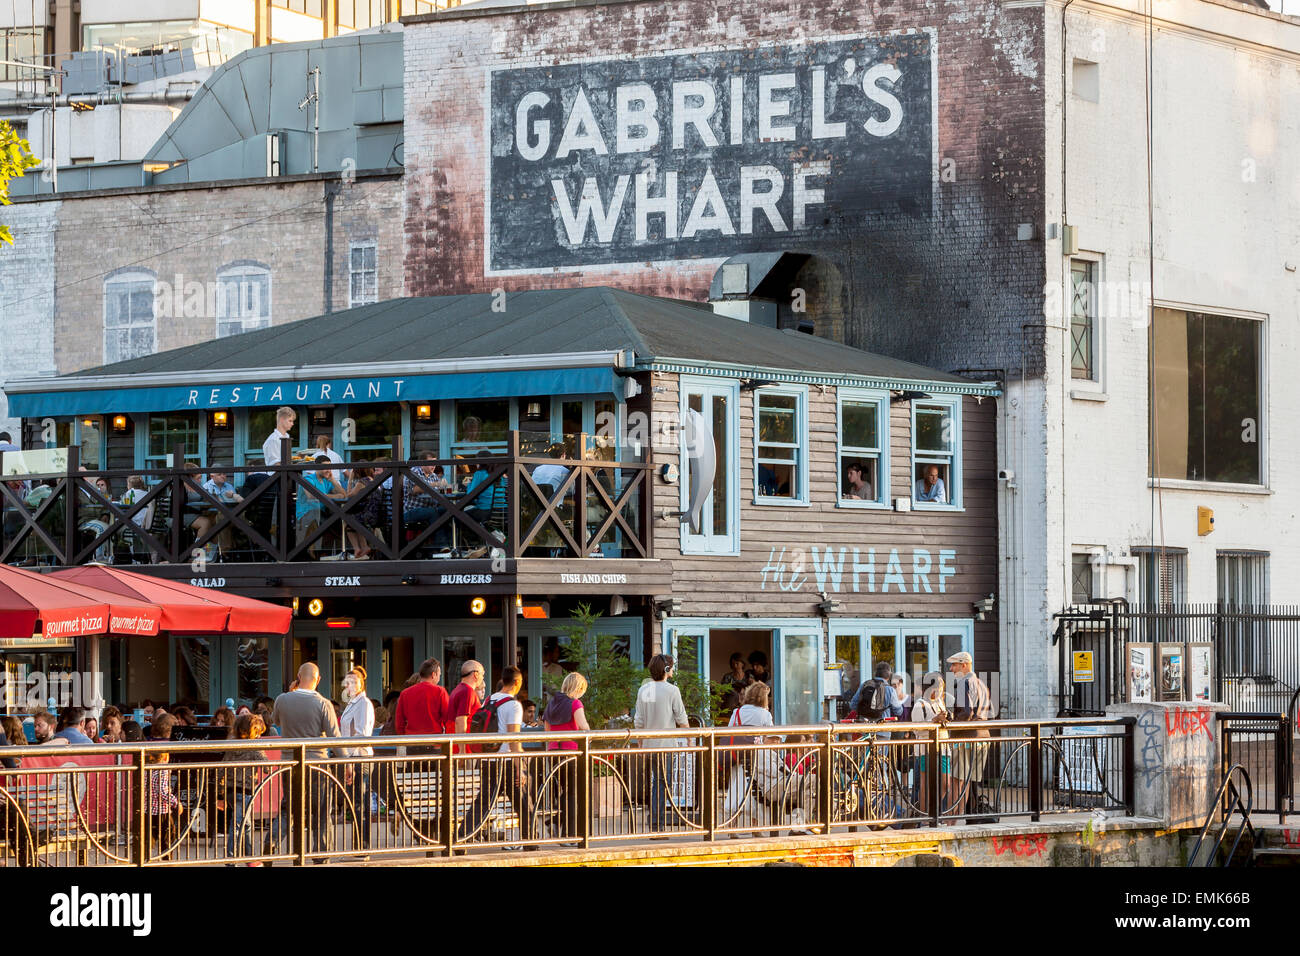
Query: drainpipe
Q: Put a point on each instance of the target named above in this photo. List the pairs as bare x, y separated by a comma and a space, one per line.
332, 189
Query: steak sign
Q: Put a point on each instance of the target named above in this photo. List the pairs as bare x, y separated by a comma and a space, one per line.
706, 154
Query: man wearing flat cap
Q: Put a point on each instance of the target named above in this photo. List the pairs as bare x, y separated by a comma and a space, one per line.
971, 699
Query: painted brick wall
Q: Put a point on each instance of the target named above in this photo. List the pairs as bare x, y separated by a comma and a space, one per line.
27, 297
951, 291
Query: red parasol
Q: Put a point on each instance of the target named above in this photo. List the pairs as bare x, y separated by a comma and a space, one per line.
185, 608
67, 609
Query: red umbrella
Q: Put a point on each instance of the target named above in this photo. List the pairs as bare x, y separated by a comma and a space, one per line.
188, 609
65, 609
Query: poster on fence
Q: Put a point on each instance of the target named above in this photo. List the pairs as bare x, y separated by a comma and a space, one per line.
1082, 762
683, 780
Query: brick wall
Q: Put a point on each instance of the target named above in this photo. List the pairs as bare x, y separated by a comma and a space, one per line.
192, 233
950, 290
26, 297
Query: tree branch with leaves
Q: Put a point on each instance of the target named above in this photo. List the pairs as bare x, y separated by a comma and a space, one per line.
15, 159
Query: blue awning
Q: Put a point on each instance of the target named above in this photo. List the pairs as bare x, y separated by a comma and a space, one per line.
414, 388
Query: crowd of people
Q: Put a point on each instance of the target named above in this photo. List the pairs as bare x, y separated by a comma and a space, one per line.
426, 707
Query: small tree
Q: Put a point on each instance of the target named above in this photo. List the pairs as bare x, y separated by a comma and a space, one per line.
612, 678
15, 159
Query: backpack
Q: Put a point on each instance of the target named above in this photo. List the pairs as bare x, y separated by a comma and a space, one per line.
484, 720
873, 700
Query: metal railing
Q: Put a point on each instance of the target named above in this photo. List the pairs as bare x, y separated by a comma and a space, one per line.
1261, 745
1256, 650
275, 800
487, 506
1227, 801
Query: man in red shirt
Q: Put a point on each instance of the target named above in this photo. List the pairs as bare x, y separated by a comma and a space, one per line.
465, 699
422, 707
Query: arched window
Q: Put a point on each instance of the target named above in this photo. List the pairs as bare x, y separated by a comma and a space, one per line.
243, 298
130, 329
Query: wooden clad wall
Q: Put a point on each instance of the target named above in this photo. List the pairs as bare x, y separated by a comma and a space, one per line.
721, 585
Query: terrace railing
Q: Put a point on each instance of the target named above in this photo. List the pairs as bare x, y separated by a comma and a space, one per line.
491, 505
275, 800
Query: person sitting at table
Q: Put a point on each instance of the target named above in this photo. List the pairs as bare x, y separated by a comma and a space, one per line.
553, 475
480, 508
309, 507
372, 514
218, 486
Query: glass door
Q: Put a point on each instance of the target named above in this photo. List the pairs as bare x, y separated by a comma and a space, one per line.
798, 678
454, 646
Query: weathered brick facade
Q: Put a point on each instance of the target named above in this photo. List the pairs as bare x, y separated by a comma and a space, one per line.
951, 288
300, 230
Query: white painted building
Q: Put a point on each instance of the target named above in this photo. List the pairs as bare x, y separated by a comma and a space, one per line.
1224, 147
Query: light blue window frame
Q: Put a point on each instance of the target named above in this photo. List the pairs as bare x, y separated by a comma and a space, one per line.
143, 460
784, 632
953, 486
706, 542
244, 442
448, 424
533, 633
344, 411
853, 452
801, 443
865, 628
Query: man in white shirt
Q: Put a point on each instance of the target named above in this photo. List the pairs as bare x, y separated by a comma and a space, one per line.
263, 514
659, 707
929, 487
284, 421
504, 775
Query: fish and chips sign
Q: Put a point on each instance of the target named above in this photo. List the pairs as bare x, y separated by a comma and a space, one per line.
706, 154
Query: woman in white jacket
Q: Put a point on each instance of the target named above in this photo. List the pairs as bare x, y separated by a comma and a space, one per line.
357, 720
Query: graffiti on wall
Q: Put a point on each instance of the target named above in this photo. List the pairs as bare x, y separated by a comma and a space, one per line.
708, 153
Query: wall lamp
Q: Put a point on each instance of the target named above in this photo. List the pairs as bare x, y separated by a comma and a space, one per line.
666, 605
423, 413
119, 423
221, 419
830, 606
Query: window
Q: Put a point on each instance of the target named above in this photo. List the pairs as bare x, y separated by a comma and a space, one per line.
1162, 576
713, 429
1243, 589
481, 425
780, 446
863, 447
243, 299
1243, 578
376, 428
129, 324
1081, 578
1207, 398
166, 431
1083, 319
936, 467
363, 282
254, 426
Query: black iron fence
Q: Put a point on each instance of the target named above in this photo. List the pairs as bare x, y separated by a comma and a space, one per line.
1261, 744
487, 505
1255, 652
274, 800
